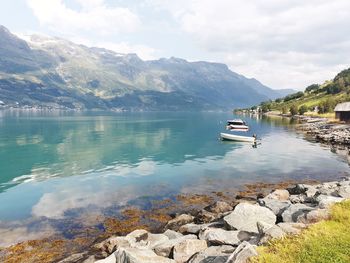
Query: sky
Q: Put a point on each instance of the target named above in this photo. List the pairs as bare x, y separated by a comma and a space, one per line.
282, 43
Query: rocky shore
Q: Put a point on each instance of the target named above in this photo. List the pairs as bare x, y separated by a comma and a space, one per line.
223, 232
323, 130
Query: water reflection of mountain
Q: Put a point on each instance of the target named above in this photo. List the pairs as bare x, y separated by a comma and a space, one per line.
37, 146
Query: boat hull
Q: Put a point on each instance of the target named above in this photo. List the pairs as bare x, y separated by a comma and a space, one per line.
237, 138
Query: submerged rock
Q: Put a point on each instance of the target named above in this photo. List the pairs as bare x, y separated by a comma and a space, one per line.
219, 207
245, 217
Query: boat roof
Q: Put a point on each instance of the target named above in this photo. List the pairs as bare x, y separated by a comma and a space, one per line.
235, 120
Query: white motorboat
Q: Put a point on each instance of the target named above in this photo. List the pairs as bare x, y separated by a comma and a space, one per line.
237, 124
237, 138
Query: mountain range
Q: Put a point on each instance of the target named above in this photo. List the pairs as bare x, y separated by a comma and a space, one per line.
50, 72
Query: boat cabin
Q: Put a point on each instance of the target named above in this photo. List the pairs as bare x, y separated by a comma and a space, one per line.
236, 122
342, 111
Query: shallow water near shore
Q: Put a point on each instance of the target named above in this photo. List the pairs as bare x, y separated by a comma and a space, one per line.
61, 172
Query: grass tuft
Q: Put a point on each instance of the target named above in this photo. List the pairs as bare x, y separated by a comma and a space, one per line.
324, 242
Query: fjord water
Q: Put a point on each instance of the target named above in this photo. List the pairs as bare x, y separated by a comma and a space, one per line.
60, 165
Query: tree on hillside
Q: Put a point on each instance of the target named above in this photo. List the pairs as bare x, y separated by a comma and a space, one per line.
294, 96
284, 110
302, 109
312, 88
327, 105
293, 109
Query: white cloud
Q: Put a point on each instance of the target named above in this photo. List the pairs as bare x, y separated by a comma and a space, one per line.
262, 38
94, 17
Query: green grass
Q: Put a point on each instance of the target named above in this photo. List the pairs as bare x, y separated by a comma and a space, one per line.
324, 242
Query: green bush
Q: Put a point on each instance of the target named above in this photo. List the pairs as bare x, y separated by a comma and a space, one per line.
293, 109
302, 109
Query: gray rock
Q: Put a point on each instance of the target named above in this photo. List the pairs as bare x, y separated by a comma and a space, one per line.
110, 259
164, 249
344, 191
184, 250
205, 216
311, 191
217, 236
195, 228
295, 211
291, 228
219, 207
73, 258
245, 217
90, 259
329, 188
178, 221
298, 189
279, 194
171, 234
296, 199
276, 206
263, 227
273, 232
324, 201
242, 253
192, 228
316, 216
111, 244
213, 254
135, 255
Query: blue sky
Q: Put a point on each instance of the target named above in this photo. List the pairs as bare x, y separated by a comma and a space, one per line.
282, 43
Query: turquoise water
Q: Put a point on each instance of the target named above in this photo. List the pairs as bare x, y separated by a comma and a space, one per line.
58, 166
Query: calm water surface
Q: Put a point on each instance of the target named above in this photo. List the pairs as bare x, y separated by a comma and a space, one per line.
59, 166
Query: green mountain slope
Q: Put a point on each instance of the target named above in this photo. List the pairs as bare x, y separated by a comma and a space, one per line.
315, 98
52, 72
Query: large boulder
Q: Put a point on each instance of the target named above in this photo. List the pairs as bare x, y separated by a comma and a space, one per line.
344, 191
178, 221
245, 217
165, 249
279, 194
184, 250
192, 228
273, 232
276, 206
213, 254
324, 201
135, 255
242, 253
295, 212
328, 188
110, 259
144, 239
316, 216
217, 236
171, 234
